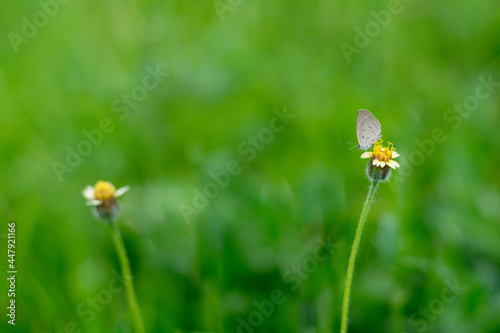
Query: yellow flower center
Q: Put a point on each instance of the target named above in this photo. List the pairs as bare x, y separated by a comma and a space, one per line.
381, 153
104, 190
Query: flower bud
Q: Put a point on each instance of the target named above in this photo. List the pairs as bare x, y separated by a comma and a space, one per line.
377, 173
108, 210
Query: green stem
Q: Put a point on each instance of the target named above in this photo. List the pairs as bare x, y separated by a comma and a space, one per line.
352, 258
127, 278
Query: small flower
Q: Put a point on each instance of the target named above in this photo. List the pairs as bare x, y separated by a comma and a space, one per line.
103, 197
380, 158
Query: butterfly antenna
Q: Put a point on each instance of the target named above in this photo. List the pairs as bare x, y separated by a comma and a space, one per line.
352, 143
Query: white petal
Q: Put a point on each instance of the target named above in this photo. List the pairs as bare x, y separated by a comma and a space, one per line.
88, 193
378, 163
393, 164
121, 191
395, 154
94, 202
366, 154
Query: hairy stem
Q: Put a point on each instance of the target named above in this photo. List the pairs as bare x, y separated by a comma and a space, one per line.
127, 278
352, 258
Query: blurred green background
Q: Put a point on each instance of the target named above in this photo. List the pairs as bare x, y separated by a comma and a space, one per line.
230, 64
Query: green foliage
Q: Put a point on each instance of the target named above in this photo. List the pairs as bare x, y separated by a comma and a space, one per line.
230, 69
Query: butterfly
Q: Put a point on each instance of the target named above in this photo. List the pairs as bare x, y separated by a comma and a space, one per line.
368, 129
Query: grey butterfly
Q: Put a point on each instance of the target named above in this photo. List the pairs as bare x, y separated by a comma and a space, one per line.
368, 129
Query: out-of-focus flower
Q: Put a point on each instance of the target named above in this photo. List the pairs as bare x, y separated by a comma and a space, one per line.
103, 197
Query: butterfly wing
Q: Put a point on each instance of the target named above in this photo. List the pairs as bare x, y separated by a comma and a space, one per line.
368, 129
